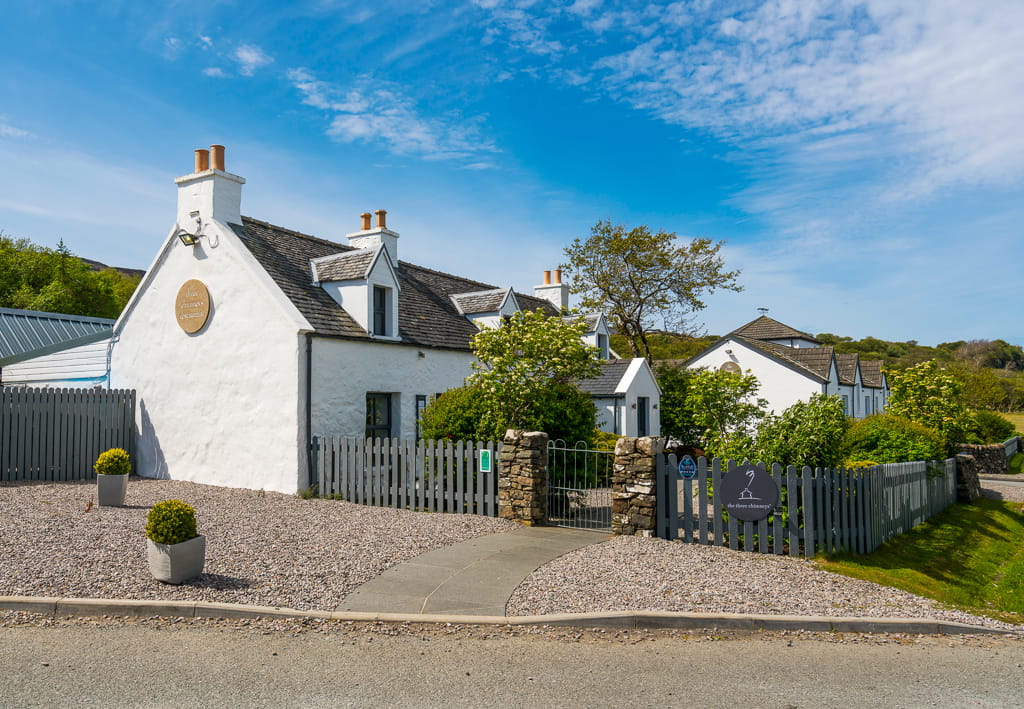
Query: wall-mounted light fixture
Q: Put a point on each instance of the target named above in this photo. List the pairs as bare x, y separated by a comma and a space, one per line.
192, 239
421, 354
728, 352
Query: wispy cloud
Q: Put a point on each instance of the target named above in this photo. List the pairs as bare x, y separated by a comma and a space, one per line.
249, 58
9, 131
376, 111
215, 72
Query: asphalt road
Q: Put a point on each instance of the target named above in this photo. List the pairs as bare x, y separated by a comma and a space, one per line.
136, 666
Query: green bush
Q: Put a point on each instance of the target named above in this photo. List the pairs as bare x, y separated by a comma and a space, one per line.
171, 522
604, 441
989, 427
887, 438
564, 413
807, 433
455, 415
113, 462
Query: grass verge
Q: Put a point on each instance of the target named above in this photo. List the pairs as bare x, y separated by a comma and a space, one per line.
1015, 465
968, 556
1016, 418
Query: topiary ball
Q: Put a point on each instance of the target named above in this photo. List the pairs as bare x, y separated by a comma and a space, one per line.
113, 462
171, 522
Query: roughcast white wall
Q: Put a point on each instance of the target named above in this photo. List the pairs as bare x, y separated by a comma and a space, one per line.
221, 406
345, 370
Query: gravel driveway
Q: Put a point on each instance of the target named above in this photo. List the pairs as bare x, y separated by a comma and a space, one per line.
279, 550
262, 548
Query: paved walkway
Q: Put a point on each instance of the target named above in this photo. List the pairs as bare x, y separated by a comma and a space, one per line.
475, 577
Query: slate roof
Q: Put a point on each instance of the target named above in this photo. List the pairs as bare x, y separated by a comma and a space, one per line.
530, 302
604, 384
348, 266
427, 316
871, 373
765, 328
814, 360
846, 367
30, 333
487, 301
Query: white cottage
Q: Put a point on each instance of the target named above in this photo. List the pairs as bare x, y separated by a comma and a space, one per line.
792, 365
244, 339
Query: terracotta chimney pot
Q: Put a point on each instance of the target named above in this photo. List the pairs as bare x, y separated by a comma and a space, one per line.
217, 152
202, 160
547, 278
558, 276
366, 216
382, 216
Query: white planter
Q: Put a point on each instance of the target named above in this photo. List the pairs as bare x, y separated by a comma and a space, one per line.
174, 563
110, 489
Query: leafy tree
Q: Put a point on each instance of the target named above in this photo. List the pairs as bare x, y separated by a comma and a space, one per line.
807, 433
727, 410
989, 427
456, 415
525, 365
887, 438
640, 278
933, 397
676, 418
36, 278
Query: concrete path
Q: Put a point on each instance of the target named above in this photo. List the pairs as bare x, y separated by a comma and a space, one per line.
475, 577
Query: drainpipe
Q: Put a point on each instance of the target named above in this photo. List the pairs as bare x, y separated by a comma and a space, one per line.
309, 409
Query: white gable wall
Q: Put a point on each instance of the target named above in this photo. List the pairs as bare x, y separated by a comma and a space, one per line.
222, 406
639, 382
782, 386
344, 371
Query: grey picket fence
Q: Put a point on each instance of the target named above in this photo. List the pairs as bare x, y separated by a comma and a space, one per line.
1012, 446
820, 510
57, 434
427, 476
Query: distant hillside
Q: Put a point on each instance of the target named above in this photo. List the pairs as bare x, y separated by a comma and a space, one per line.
97, 266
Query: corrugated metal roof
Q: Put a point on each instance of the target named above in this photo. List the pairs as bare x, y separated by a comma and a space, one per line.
30, 331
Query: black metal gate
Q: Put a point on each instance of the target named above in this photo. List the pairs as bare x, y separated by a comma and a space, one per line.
579, 486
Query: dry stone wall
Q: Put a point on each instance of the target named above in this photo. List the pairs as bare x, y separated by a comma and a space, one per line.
634, 504
990, 459
968, 486
523, 478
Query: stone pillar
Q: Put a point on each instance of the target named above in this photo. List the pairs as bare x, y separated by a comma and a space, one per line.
634, 503
523, 478
968, 486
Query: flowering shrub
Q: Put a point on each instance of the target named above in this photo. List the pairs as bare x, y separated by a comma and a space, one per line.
113, 462
886, 438
171, 522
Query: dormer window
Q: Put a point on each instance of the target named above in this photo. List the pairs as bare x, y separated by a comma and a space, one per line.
381, 306
602, 345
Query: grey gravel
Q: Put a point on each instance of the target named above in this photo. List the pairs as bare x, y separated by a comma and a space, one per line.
635, 573
262, 548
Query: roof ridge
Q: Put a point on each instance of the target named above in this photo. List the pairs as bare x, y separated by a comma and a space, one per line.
293, 232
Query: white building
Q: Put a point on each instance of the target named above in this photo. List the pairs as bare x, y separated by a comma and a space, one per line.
627, 397
792, 365
53, 349
245, 339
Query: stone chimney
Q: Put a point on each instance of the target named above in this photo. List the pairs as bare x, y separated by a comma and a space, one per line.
210, 191
556, 292
372, 236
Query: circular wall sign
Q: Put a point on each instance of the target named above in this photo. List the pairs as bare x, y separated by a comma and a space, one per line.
192, 307
730, 367
749, 493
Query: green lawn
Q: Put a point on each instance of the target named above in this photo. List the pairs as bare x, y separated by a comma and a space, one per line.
969, 556
1016, 418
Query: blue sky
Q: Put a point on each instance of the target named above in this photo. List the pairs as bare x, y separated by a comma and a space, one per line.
864, 161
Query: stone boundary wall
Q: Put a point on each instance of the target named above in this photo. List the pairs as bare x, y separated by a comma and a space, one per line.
990, 459
634, 503
523, 478
968, 486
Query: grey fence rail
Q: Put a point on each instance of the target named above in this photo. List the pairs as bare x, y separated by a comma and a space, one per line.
1012, 446
427, 476
820, 510
57, 434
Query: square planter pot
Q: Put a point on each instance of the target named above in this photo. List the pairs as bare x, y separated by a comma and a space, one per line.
174, 563
110, 489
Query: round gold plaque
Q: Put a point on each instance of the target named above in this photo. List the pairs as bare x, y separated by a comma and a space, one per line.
730, 367
192, 307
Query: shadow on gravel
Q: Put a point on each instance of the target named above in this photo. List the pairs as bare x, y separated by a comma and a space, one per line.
218, 582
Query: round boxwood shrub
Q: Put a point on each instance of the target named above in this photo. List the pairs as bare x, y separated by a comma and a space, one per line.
171, 522
887, 438
113, 462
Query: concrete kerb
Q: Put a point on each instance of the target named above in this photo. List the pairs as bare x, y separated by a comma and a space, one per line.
60, 607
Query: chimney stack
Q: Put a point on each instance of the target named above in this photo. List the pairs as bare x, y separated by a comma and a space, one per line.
372, 236
211, 191
556, 293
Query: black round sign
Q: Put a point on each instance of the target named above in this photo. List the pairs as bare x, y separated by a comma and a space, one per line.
749, 494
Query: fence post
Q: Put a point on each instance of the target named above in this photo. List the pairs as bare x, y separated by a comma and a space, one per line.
634, 497
523, 478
